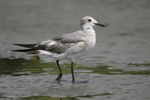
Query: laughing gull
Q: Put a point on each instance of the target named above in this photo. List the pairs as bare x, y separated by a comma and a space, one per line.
67, 46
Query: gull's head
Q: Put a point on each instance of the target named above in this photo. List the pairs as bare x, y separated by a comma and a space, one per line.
88, 21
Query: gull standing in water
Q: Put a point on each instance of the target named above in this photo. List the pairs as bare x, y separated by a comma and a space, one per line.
67, 46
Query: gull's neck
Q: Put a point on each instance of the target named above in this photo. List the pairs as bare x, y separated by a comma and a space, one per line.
88, 28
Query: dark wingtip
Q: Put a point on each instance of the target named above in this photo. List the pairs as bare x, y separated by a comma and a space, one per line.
18, 44
15, 50
23, 50
18, 50
14, 44
26, 45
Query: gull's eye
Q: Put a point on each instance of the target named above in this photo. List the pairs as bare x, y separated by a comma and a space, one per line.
89, 20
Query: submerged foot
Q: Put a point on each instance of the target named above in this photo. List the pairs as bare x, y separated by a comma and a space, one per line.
58, 79
73, 81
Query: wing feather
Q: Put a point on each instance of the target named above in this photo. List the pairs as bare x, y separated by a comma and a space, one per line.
71, 37
57, 45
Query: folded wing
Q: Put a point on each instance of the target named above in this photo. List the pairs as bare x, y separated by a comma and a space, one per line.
57, 45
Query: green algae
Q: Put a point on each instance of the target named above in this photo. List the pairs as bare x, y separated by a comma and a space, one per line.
20, 66
139, 64
101, 94
46, 98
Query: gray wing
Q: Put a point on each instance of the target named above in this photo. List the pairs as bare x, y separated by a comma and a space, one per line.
52, 46
71, 37
62, 43
57, 45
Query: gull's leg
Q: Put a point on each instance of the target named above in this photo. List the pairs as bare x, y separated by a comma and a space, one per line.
60, 72
73, 80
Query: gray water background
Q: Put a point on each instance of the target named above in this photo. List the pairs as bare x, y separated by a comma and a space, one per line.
125, 40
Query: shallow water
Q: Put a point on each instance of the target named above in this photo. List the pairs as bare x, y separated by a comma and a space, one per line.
32, 79
118, 68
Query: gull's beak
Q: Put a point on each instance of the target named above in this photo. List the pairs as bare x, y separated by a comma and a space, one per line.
100, 24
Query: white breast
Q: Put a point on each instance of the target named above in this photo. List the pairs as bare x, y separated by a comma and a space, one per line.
91, 40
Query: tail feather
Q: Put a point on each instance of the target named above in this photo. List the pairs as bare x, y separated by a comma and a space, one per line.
27, 45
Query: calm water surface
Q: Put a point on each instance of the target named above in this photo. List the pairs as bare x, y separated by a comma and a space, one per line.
118, 68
